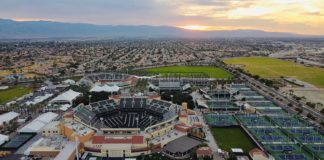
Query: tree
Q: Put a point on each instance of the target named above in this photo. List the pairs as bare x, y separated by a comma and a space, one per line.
322, 111
151, 145
147, 139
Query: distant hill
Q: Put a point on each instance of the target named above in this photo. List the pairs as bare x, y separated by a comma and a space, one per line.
10, 29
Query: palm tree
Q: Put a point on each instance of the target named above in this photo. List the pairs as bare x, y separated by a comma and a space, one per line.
151, 147
147, 139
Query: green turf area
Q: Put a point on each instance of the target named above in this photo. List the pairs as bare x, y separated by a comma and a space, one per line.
190, 71
274, 68
13, 92
228, 138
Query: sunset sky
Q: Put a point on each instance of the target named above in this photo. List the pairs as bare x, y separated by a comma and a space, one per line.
298, 16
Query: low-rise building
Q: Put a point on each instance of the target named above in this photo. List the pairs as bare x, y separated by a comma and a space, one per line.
51, 129
7, 118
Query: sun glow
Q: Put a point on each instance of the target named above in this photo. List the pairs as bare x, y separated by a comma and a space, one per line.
196, 27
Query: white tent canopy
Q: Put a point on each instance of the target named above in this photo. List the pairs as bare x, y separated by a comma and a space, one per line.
3, 139
39, 99
105, 88
7, 117
47, 117
69, 81
66, 97
37, 124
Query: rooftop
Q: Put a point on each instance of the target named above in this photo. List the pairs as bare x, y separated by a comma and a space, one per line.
78, 128
6, 117
182, 144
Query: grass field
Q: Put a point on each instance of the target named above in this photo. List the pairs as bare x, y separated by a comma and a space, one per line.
188, 71
13, 92
228, 138
274, 68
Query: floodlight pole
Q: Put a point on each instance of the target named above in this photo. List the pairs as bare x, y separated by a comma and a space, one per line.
101, 119
90, 98
76, 148
90, 120
136, 122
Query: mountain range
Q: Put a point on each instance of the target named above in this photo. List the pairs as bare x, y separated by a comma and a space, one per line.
10, 29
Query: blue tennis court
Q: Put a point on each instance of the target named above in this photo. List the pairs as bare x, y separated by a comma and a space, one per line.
281, 148
292, 157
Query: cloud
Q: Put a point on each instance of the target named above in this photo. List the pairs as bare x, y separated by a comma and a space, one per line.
301, 16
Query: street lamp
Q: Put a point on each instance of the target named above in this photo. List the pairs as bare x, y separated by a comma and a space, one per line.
76, 147
90, 98
90, 120
150, 120
101, 119
136, 122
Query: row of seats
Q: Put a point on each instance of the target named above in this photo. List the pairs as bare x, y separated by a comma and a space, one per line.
129, 120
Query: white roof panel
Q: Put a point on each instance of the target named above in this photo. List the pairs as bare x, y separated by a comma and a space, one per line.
47, 117
66, 96
6, 117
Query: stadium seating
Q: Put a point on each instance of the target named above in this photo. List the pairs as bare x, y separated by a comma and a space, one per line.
129, 113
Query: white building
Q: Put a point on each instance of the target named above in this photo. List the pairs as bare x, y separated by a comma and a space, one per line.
65, 97
3, 139
51, 129
37, 124
8, 117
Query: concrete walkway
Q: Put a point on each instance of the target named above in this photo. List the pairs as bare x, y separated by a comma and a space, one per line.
209, 137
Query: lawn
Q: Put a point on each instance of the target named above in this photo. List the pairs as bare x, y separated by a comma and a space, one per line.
274, 68
13, 92
228, 138
189, 71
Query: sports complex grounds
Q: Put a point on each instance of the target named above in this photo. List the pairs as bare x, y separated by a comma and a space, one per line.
270, 128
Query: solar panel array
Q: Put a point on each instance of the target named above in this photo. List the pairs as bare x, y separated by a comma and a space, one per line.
17, 141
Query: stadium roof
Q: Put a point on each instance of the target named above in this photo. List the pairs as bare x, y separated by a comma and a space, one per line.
105, 88
67, 96
6, 117
182, 144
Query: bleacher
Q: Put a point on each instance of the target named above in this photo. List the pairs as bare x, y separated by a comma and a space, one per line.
85, 115
131, 120
106, 76
133, 103
126, 113
102, 107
